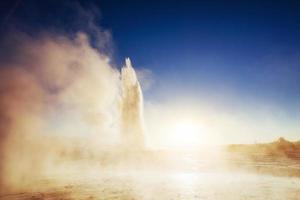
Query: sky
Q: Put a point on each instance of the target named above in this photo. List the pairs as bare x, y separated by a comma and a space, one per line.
238, 61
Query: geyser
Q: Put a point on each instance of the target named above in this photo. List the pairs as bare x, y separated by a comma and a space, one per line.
132, 120
61, 101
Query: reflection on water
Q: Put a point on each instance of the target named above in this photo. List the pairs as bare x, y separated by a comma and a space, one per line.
201, 182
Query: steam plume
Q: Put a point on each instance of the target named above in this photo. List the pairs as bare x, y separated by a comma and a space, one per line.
60, 99
132, 107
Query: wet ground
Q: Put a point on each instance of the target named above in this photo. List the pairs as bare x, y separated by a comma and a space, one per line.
194, 179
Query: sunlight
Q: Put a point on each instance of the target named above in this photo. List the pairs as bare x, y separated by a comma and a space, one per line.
183, 134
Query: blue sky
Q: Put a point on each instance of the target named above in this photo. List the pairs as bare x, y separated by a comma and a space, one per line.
251, 48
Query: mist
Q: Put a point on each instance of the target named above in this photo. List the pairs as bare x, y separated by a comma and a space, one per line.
60, 99
74, 123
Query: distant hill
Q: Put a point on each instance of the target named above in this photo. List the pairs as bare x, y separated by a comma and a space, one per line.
280, 158
279, 148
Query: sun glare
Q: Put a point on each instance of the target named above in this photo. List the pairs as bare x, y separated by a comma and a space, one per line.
183, 134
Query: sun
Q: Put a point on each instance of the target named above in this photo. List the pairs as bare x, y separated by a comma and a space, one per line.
183, 134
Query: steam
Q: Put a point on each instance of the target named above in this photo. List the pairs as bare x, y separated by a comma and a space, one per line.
132, 108
60, 99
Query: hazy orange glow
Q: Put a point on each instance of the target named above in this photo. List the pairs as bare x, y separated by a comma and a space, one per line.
72, 126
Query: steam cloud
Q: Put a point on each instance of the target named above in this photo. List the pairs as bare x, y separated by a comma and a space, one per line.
60, 97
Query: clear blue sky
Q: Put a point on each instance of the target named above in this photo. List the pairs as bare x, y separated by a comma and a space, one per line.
250, 47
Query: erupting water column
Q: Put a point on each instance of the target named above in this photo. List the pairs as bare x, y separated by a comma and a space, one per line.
132, 119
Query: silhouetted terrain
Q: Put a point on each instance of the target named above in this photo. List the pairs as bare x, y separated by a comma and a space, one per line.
279, 148
281, 157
